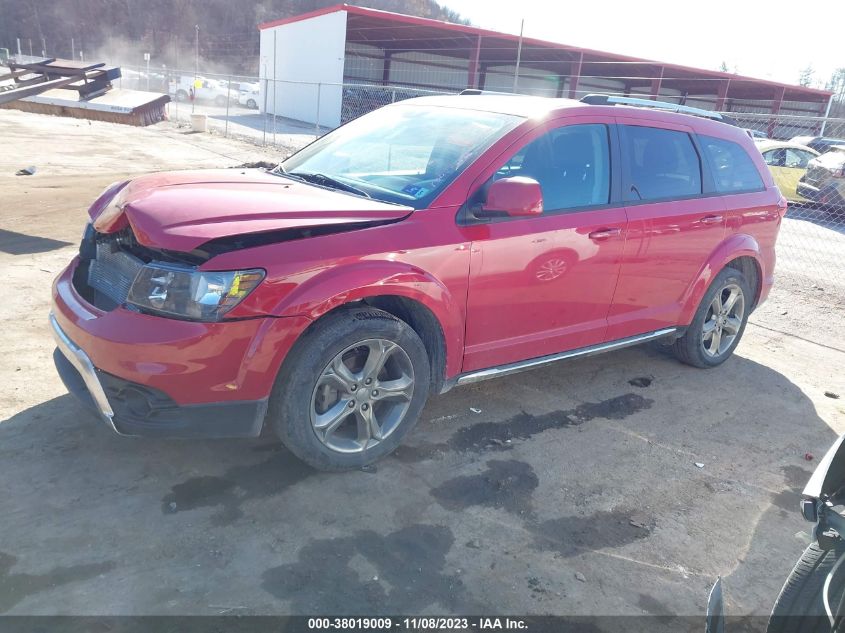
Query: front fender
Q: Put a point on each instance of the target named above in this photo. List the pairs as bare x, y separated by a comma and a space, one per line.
335, 287
737, 245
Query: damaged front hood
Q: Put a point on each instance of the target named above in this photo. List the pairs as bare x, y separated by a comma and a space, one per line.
181, 211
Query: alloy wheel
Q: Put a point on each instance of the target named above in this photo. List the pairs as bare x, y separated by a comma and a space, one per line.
362, 395
723, 320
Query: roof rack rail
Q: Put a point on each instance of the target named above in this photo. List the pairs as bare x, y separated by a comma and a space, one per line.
478, 91
596, 99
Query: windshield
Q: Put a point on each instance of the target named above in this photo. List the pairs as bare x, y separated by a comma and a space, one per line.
401, 154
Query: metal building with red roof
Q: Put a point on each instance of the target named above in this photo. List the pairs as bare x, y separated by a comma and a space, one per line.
311, 57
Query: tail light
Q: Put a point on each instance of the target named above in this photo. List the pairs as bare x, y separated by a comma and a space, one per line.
783, 204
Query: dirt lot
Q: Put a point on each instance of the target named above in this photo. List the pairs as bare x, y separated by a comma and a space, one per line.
573, 490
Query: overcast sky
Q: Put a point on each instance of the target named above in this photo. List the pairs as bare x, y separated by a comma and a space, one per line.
768, 39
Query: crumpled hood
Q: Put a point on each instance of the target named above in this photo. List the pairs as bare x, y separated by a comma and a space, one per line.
180, 211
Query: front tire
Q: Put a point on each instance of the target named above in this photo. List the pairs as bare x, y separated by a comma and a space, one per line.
351, 388
251, 104
800, 606
719, 322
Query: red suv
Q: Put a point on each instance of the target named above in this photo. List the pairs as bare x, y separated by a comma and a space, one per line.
432, 243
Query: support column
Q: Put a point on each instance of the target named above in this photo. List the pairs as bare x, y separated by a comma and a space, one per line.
656, 84
385, 73
573, 76
472, 75
778, 102
722, 95
826, 114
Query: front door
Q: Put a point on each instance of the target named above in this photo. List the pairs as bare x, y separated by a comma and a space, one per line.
544, 284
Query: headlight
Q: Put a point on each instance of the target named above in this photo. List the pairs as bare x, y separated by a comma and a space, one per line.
191, 294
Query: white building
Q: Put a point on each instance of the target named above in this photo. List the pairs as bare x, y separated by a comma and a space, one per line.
303, 58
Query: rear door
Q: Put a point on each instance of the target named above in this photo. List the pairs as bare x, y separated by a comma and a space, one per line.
674, 223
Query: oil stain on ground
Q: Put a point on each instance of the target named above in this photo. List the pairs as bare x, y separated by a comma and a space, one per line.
237, 486
15, 587
499, 435
571, 535
505, 484
796, 478
409, 574
641, 381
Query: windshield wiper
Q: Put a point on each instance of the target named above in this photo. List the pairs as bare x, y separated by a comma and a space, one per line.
327, 181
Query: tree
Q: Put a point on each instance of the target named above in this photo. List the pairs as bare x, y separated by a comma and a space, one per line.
805, 77
837, 83
723, 67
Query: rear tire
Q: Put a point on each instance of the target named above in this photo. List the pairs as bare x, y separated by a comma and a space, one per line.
351, 388
719, 322
800, 607
251, 104
181, 95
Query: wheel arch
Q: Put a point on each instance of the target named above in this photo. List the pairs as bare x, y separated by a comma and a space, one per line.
739, 251
408, 293
423, 321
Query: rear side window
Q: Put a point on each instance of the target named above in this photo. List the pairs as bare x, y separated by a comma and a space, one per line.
660, 163
733, 169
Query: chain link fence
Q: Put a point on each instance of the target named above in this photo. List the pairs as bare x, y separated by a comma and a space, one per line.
282, 113
806, 156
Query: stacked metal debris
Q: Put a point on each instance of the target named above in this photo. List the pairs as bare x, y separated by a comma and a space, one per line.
77, 89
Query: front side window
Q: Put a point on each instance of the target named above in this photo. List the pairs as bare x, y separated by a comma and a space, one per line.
661, 164
775, 157
798, 158
404, 154
572, 165
733, 169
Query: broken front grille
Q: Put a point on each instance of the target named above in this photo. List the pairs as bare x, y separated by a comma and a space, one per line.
113, 271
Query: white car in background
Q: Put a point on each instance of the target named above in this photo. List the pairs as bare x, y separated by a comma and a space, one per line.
248, 95
203, 89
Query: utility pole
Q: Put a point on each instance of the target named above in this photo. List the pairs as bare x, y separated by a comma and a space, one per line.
196, 63
147, 59
43, 47
19, 47
72, 49
30, 47
518, 55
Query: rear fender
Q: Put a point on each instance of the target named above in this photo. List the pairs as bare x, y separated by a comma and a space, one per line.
334, 287
737, 245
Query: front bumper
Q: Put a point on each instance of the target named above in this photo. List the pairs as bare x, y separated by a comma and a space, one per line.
828, 194
137, 410
86, 384
147, 375
808, 191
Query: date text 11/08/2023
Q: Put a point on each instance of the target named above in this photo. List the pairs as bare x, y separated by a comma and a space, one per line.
418, 624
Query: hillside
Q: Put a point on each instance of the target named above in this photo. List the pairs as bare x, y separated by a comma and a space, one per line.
120, 31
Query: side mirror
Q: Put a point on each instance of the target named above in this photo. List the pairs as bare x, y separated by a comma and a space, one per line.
518, 196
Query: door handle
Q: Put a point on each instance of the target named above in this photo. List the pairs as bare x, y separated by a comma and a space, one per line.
711, 219
603, 234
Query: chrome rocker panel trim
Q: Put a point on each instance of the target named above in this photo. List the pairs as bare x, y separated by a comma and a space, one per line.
512, 368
